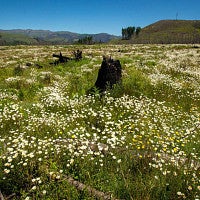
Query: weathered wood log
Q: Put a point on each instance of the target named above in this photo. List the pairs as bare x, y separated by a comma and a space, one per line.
63, 59
91, 191
1, 196
110, 73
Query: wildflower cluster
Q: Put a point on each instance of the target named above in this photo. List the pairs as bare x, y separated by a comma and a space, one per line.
106, 141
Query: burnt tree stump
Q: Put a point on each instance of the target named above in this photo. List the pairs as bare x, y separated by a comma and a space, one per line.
110, 73
77, 55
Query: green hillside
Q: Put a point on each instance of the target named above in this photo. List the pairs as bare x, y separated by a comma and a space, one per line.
15, 39
170, 31
28, 36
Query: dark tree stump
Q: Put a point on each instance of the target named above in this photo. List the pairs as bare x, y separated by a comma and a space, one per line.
109, 74
77, 55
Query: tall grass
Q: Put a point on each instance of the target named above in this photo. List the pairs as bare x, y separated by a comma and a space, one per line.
138, 141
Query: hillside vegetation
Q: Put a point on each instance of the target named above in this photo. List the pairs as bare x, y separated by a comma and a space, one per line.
30, 37
16, 39
169, 32
138, 141
161, 32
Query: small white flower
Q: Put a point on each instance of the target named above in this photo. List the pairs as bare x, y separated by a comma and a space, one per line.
33, 180
44, 192
6, 171
33, 188
179, 193
114, 157
189, 187
15, 156
58, 177
7, 164
39, 152
71, 161
40, 159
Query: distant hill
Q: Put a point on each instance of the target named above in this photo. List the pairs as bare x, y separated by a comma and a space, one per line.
15, 39
30, 37
161, 32
170, 31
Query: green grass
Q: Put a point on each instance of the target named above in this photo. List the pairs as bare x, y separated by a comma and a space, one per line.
138, 141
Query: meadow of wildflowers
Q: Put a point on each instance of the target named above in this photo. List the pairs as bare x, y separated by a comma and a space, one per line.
137, 141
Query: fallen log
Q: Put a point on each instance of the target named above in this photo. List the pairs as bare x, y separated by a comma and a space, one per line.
61, 58
1, 196
91, 191
105, 149
7, 197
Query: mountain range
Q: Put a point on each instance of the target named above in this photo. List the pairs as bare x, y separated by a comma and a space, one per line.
160, 32
33, 37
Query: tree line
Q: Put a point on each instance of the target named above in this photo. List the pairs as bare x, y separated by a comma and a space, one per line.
86, 40
129, 32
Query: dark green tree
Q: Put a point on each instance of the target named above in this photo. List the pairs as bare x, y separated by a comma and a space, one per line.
128, 32
138, 29
124, 33
86, 40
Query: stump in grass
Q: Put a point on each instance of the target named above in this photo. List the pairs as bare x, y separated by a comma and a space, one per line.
110, 73
77, 55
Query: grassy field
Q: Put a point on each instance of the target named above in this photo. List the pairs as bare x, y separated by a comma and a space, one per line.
139, 141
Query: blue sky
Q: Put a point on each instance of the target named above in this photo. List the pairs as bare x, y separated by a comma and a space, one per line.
92, 16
